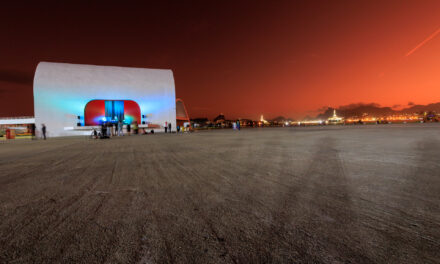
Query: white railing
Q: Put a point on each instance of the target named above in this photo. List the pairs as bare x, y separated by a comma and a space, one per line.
17, 120
16, 117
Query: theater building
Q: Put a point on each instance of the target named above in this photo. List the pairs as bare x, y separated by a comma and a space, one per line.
71, 99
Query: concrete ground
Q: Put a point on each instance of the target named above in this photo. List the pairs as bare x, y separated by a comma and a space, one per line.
353, 194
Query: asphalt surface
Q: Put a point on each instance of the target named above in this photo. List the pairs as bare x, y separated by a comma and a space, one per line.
353, 194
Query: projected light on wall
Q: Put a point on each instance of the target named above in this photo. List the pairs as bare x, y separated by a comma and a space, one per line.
97, 112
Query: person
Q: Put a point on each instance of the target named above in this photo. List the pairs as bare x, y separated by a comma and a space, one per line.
103, 130
128, 129
95, 134
169, 127
234, 125
135, 127
109, 130
178, 129
166, 127
238, 125
33, 128
43, 130
120, 125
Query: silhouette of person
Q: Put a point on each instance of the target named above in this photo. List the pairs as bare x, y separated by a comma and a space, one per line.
43, 129
128, 129
120, 126
136, 127
33, 128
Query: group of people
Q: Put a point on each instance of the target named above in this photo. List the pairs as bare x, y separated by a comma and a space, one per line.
110, 129
168, 127
236, 125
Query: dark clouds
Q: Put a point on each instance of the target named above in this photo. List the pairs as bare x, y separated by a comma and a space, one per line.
357, 105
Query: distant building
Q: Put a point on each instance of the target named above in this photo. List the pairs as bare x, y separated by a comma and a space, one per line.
18, 125
246, 122
263, 122
200, 122
334, 120
219, 119
182, 116
72, 99
70, 96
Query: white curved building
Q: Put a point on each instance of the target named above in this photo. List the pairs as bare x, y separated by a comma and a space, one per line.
71, 97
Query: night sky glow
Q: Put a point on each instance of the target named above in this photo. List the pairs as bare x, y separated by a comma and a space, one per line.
240, 58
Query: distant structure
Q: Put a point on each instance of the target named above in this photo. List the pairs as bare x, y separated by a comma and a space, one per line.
246, 122
220, 118
200, 122
334, 120
182, 116
262, 121
71, 99
220, 121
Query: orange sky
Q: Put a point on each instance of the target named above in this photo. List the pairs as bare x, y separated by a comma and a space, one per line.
239, 58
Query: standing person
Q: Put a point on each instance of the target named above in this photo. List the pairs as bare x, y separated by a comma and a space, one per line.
166, 127
103, 130
169, 127
33, 128
128, 129
135, 127
120, 126
178, 129
109, 130
43, 129
238, 125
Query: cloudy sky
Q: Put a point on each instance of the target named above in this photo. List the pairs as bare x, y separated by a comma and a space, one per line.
241, 58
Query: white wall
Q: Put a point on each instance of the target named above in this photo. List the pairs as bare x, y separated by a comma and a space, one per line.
62, 90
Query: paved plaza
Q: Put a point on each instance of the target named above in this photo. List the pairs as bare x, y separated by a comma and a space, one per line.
330, 194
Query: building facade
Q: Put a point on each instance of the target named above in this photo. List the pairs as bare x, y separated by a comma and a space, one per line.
69, 98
